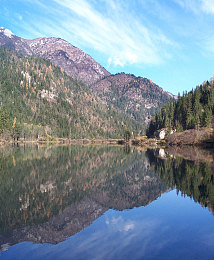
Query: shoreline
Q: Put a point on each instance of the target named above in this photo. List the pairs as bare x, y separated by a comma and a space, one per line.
163, 150
203, 138
140, 142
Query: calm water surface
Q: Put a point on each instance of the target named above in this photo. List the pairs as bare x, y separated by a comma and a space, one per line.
94, 202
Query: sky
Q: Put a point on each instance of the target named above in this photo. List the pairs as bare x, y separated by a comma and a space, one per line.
170, 42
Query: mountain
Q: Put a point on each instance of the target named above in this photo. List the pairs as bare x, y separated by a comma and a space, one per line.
13, 42
39, 99
72, 60
136, 96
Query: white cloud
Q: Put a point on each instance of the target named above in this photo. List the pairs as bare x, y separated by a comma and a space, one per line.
192, 5
208, 6
118, 61
110, 27
197, 6
129, 226
107, 222
118, 223
109, 62
117, 220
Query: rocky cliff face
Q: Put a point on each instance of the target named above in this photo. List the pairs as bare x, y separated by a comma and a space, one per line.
72, 60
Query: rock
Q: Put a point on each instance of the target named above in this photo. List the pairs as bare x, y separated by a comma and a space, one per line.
161, 134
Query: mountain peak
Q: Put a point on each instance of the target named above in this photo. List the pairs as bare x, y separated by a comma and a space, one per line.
6, 32
71, 59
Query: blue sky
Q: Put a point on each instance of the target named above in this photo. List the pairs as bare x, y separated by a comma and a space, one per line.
170, 42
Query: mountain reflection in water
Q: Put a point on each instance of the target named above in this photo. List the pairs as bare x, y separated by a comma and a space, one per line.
51, 193
48, 194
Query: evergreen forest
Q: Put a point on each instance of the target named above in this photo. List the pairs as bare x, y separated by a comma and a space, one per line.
190, 111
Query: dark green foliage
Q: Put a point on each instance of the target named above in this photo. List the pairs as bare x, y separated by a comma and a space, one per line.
43, 97
127, 135
4, 119
192, 178
193, 110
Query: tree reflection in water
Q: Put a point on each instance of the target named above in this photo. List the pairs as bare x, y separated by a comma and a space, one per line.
193, 177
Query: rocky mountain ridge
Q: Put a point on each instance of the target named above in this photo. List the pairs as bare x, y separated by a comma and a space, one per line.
72, 60
13, 42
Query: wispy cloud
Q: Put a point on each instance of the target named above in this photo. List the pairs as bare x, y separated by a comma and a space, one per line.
197, 6
208, 6
208, 44
192, 5
110, 27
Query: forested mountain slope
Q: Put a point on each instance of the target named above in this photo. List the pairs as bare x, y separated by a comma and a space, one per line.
192, 110
39, 99
136, 96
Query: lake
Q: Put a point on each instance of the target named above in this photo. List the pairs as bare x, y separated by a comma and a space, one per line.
106, 202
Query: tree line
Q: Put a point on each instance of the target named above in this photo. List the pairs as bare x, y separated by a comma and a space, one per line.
190, 111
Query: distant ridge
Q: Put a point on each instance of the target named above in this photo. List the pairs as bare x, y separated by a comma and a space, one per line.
136, 96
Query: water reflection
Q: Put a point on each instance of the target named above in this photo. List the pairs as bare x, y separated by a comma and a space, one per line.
51, 193
48, 194
189, 169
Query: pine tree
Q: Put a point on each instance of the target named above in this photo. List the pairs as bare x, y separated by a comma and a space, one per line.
4, 119
207, 117
192, 110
